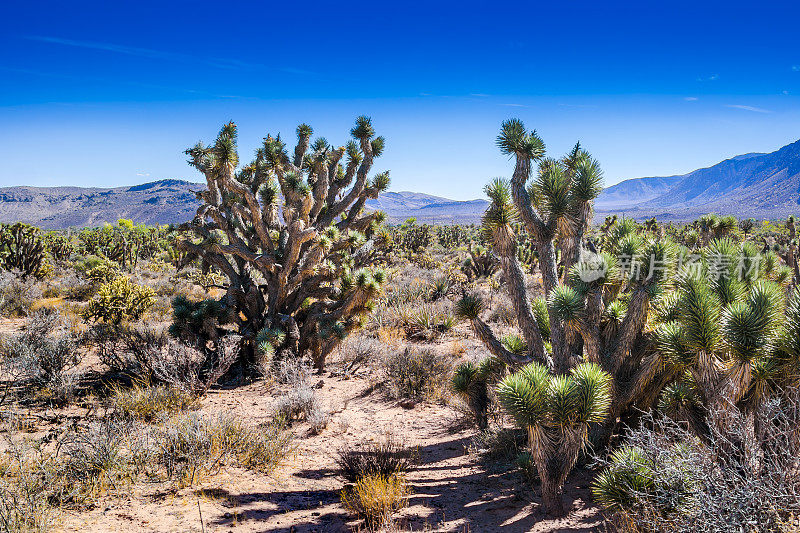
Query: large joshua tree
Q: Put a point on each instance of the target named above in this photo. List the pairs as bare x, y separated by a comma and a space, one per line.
290, 233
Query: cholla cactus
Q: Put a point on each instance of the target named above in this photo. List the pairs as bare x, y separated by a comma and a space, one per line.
22, 249
119, 300
290, 236
556, 412
58, 245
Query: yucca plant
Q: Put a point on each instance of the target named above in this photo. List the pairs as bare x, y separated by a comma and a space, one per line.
725, 337
556, 411
471, 382
290, 234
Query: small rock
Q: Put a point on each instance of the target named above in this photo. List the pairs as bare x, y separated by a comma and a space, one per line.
407, 404
319, 384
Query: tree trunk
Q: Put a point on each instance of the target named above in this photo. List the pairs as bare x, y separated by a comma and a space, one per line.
552, 502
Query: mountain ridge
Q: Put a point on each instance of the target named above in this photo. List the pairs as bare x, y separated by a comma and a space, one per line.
759, 185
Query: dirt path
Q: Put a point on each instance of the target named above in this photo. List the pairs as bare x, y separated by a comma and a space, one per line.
451, 490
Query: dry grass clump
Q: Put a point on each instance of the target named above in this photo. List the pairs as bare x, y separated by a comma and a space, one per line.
375, 498
191, 447
385, 458
147, 403
419, 374
25, 480
377, 472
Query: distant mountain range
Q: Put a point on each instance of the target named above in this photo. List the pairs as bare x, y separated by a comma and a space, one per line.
749, 185
174, 201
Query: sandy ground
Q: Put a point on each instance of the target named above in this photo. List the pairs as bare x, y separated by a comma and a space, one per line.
451, 489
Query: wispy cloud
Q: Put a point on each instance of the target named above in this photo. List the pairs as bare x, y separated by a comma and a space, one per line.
748, 108
143, 174
713, 77
480, 95
796, 68
691, 98
233, 64
514, 105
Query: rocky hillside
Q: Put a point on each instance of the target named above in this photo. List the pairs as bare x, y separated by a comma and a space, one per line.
174, 201
749, 185
162, 202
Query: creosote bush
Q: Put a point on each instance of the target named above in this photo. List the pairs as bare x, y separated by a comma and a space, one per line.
416, 373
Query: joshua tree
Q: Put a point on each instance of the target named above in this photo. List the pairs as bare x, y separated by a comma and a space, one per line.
747, 225
724, 334
599, 313
291, 238
471, 383
556, 412
22, 249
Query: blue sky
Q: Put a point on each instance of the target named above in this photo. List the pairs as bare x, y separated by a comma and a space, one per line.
111, 93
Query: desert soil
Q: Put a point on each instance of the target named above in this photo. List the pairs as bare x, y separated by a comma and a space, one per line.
451, 490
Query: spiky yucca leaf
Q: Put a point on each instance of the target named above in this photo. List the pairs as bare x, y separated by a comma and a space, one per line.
464, 378
514, 139
789, 340
592, 391
630, 475
670, 341
749, 326
363, 128
514, 344
566, 304
552, 191
540, 313
679, 398
524, 394
699, 314
469, 307
588, 180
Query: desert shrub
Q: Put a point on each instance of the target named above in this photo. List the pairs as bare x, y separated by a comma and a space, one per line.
44, 354
358, 350
385, 458
148, 402
119, 300
95, 460
667, 479
301, 402
190, 447
26, 482
375, 498
17, 295
150, 355
419, 374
